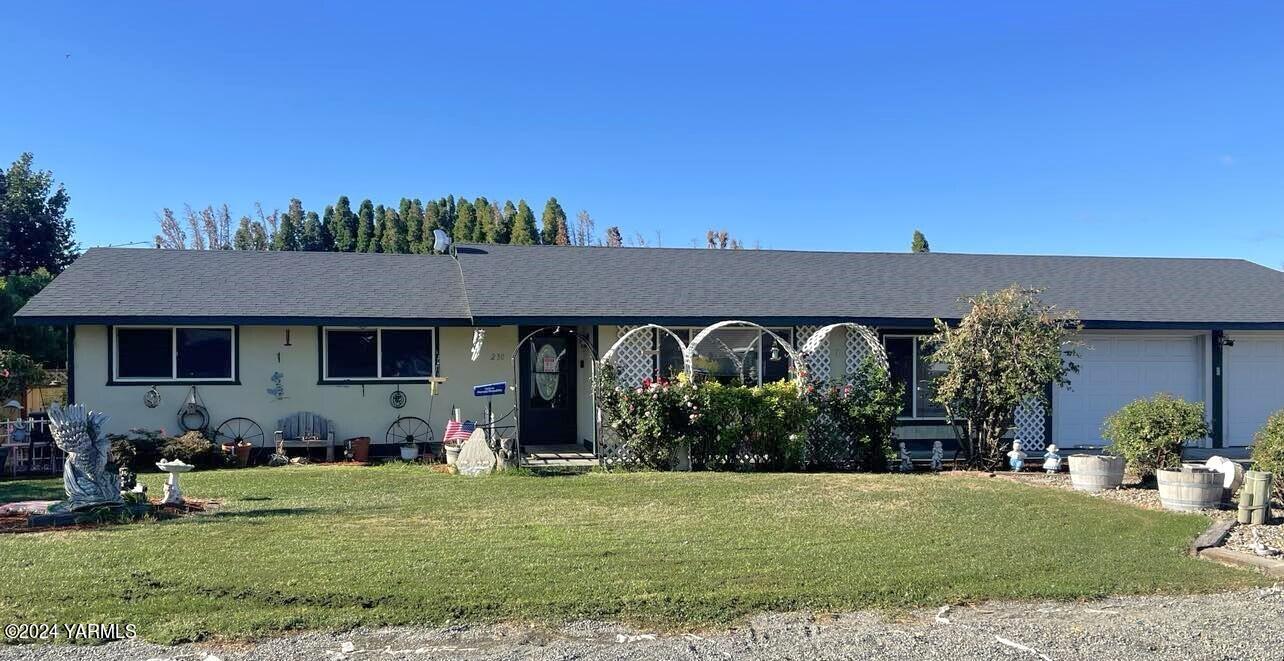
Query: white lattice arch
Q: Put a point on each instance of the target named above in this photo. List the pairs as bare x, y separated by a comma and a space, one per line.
861, 341
688, 352
623, 339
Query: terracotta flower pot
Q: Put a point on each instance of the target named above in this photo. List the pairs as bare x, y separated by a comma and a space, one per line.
360, 448
242, 452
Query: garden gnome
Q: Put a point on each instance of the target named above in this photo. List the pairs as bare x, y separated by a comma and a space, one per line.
906, 464
1016, 458
1051, 460
938, 455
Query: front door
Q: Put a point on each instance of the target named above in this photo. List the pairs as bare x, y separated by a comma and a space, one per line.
547, 393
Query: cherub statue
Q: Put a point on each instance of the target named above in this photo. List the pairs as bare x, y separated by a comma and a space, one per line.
938, 455
906, 464
1051, 459
1016, 458
88, 475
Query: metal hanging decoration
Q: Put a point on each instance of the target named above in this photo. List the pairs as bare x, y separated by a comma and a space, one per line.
152, 398
192, 415
479, 339
397, 399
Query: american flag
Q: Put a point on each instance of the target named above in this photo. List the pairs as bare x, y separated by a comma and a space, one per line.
458, 432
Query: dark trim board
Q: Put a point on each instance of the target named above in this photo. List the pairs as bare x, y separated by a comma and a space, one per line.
71, 364
895, 324
1218, 394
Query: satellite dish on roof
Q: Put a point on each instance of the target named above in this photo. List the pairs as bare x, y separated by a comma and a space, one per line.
441, 242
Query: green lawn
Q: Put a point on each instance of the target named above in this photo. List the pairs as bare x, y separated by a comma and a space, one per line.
335, 547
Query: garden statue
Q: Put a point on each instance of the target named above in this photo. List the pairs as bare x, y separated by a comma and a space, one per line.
279, 458
1016, 458
907, 465
1051, 459
88, 475
128, 480
938, 455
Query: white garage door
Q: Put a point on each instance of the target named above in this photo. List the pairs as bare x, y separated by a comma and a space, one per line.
1253, 370
1115, 370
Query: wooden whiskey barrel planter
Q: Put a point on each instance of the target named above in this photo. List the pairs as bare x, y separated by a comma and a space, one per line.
1189, 489
1092, 473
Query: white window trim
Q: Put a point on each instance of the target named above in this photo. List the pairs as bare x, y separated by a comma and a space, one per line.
173, 358
784, 331
325, 354
913, 385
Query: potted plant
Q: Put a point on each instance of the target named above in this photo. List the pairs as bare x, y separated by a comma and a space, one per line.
452, 453
409, 451
242, 452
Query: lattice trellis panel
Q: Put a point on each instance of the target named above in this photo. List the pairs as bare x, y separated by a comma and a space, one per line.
862, 344
633, 359
817, 361
1028, 425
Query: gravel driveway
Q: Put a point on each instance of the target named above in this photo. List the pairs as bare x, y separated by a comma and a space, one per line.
1237, 625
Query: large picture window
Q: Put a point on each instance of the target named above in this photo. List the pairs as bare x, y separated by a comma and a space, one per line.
378, 354
731, 354
911, 365
173, 353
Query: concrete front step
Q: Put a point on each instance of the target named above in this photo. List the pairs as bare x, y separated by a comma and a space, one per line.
558, 455
536, 462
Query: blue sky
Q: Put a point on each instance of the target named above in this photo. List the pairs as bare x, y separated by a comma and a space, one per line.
1152, 128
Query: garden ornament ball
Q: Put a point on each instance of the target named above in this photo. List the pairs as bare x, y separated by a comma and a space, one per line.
1016, 458
1051, 459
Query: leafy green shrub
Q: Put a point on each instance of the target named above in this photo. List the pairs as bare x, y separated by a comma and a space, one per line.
194, 448
855, 421
1149, 433
17, 373
766, 422
1268, 451
138, 450
715, 423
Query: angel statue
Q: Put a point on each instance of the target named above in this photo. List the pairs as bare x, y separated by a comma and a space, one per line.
87, 474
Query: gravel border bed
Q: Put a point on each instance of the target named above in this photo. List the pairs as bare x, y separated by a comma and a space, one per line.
1241, 537
1150, 627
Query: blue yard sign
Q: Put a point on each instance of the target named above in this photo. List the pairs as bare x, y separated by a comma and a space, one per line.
488, 389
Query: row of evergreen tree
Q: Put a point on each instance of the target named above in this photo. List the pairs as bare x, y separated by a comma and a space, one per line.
408, 228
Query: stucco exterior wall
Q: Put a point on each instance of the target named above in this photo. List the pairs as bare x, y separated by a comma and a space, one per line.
357, 410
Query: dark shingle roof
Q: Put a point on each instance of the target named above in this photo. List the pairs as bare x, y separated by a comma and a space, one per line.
541, 284
176, 285
566, 282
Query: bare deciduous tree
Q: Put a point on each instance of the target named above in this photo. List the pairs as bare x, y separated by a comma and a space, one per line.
171, 233
721, 240
613, 237
195, 227
584, 232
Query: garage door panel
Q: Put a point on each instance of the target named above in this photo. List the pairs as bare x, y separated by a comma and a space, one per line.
1254, 378
1118, 370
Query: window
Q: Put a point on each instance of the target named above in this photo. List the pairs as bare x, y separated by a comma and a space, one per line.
732, 354
378, 354
911, 365
177, 353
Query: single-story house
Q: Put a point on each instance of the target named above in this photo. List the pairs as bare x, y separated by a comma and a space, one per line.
260, 335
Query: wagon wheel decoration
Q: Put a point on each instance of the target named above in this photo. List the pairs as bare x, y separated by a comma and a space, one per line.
409, 430
397, 399
235, 431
